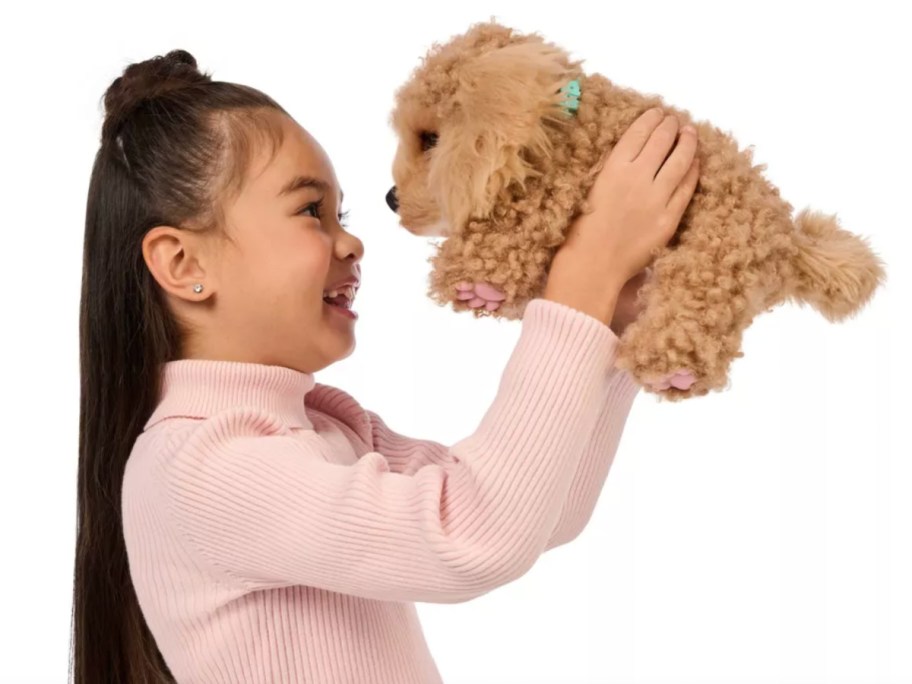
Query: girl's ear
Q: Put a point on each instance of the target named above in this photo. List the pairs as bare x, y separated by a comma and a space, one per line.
497, 120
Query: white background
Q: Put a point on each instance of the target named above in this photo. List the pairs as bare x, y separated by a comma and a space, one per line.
760, 534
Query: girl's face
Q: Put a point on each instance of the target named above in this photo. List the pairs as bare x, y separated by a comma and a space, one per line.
289, 247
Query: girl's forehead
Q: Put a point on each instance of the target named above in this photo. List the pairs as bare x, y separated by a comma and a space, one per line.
299, 156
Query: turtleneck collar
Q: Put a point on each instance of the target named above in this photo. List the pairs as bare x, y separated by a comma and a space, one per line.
202, 387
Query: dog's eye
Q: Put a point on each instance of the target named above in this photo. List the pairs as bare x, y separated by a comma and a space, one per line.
428, 140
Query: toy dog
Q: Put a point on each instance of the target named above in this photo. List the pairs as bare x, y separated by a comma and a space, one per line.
500, 137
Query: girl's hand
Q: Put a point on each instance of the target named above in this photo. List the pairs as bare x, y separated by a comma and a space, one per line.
637, 199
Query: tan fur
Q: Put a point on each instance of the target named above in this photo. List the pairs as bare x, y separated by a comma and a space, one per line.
511, 171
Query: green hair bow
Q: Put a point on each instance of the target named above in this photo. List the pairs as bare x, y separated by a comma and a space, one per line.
571, 93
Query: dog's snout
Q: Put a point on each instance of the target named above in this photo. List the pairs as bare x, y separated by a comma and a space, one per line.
391, 199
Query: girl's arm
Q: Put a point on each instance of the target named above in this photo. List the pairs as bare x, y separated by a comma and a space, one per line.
407, 455
261, 506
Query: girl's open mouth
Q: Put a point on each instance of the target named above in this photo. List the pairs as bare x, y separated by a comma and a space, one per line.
340, 302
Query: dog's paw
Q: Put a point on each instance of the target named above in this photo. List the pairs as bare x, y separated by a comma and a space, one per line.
482, 294
681, 379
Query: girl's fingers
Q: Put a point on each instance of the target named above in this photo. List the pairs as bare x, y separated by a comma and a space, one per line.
678, 164
682, 195
636, 135
656, 149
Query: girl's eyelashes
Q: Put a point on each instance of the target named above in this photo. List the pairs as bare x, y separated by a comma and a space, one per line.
315, 208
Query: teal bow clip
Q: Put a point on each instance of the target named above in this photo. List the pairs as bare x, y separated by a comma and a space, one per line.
571, 92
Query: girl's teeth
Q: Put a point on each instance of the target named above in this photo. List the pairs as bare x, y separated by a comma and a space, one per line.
348, 291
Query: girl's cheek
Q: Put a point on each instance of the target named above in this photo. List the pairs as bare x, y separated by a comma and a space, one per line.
317, 254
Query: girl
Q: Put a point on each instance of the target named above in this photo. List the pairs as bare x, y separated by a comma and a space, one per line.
240, 522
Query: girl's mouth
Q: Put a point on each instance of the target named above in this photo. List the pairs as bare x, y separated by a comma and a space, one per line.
341, 300
340, 303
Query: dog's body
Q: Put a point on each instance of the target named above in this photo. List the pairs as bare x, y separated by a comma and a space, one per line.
510, 169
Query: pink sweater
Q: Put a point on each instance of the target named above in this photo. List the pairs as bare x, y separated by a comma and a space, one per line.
279, 532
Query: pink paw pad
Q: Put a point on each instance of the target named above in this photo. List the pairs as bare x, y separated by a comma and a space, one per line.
682, 380
482, 294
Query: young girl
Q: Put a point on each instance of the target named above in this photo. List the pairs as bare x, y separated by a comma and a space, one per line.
240, 522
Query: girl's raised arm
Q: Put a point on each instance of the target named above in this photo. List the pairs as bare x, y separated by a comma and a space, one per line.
407, 455
262, 508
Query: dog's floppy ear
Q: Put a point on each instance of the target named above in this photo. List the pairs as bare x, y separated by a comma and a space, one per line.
496, 122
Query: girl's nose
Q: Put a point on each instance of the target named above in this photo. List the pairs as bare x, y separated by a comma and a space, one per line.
391, 199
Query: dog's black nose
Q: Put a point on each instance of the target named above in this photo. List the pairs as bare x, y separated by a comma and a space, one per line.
391, 199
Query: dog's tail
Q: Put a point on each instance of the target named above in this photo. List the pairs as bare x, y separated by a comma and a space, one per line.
836, 271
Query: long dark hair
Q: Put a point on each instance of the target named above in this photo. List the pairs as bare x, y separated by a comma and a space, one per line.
174, 145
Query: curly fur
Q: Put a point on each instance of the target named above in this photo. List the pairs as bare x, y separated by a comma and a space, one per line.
511, 170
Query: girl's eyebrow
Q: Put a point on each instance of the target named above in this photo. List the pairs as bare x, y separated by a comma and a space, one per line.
301, 182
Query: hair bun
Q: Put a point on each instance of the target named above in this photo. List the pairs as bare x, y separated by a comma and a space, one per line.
146, 80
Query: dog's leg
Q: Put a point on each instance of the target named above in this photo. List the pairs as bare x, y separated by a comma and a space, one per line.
690, 330
488, 270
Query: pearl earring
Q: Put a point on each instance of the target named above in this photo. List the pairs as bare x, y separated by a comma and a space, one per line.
198, 288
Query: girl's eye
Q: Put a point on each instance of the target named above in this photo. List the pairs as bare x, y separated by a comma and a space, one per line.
313, 209
315, 206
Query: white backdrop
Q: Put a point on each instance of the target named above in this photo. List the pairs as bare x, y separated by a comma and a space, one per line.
761, 534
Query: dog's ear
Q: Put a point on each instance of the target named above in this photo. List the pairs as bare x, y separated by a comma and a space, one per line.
496, 121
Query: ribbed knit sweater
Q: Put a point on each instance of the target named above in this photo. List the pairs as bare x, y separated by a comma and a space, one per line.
277, 532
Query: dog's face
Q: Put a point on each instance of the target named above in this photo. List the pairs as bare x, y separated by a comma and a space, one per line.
472, 120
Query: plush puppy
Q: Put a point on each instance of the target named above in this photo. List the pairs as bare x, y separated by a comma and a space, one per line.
500, 137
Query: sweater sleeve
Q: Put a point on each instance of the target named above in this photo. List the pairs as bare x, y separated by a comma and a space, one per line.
263, 507
407, 455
